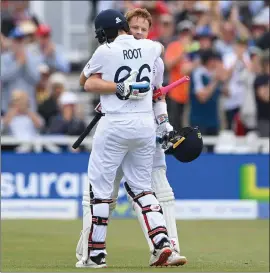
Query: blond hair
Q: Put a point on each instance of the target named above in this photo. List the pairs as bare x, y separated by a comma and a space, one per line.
138, 12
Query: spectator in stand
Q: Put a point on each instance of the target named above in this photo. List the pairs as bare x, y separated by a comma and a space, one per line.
235, 64
166, 36
15, 13
42, 88
260, 28
156, 8
53, 55
202, 17
66, 122
19, 69
206, 86
205, 38
56, 86
4, 43
178, 64
228, 30
262, 87
29, 28
248, 110
166, 29
226, 40
20, 121
184, 11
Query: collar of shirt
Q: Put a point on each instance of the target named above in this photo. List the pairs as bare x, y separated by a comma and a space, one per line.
124, 37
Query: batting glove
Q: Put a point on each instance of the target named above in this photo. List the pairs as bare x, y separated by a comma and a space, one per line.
163, 128
130, 89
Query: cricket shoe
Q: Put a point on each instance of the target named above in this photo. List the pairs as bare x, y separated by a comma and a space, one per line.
175, 259
161, 254
98, 261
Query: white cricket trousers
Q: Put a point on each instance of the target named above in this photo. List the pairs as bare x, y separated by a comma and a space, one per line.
122, 139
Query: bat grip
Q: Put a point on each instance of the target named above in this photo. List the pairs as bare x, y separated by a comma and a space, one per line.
182, 80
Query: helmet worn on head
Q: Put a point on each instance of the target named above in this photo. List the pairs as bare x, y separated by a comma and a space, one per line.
187, 144
107, 24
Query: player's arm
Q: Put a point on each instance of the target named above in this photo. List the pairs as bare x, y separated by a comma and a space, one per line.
123, 90
92, 76
95, 84
82, 79
158, 74
158, 48
162, 49
160, 105
161, 114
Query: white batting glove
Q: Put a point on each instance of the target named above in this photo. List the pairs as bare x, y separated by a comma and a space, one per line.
164, 127
139, 90
130, 89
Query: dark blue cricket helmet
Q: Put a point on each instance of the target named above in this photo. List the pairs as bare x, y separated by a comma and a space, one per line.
107, 24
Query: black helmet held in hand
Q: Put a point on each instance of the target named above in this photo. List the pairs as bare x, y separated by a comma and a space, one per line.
185, 145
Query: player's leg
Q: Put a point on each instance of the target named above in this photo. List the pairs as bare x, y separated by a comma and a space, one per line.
87, 212
165, 196
137, 166
87, 221
116, 185
140, 218
106, 156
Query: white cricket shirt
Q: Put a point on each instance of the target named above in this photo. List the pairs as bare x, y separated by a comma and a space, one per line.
116, 60
158, 72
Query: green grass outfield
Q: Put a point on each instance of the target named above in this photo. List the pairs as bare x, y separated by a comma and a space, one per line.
43, 245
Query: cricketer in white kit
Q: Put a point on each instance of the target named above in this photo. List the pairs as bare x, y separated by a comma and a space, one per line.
140, 22
124, 136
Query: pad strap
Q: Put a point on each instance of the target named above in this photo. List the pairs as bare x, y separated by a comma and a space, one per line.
95, 201
136, 197
96, 245
100, 221
152, 208
157, 230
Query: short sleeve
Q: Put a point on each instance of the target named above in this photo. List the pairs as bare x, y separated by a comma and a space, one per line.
155, 47
158, 48
158, 72
96, 63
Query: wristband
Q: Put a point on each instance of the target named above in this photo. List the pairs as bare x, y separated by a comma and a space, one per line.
160, 111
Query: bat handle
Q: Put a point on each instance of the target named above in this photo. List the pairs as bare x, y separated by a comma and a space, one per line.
174, 84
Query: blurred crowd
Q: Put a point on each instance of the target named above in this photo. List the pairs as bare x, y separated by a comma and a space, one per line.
222, 45
34, 72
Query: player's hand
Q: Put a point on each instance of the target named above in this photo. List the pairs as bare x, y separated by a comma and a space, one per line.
139, 90
169, 140
163, 129
157, 94
131, 87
